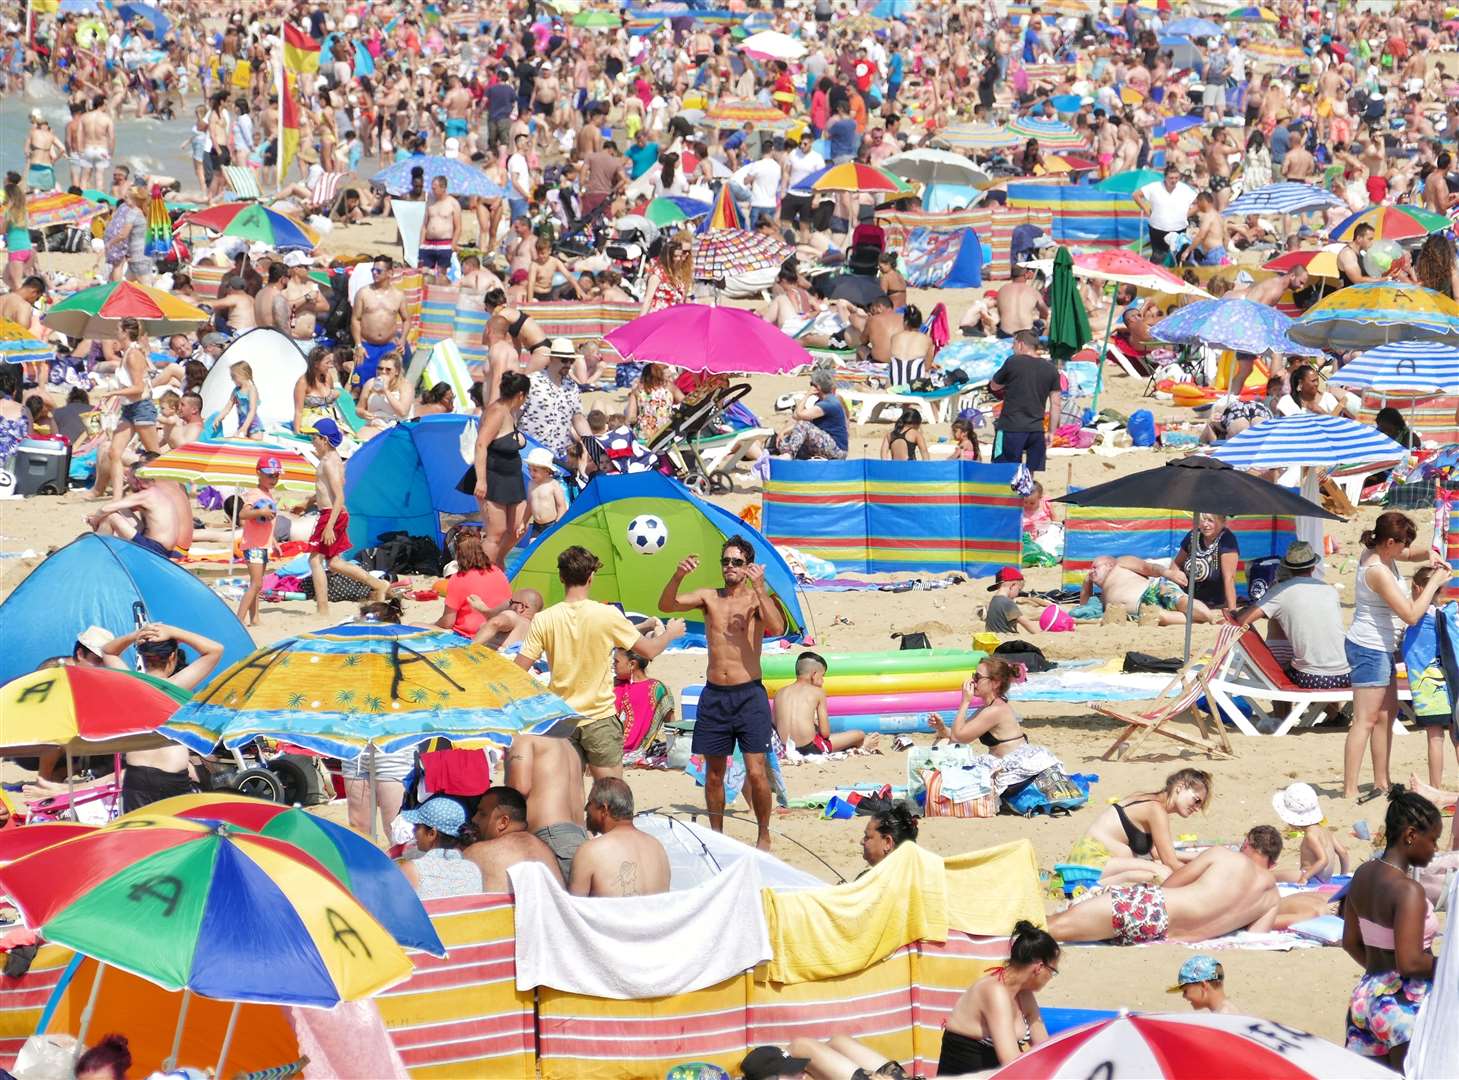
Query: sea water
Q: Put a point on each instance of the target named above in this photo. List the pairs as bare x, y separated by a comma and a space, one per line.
148, 145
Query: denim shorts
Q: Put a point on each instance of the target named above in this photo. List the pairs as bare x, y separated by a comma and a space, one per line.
1370, 667
140, 413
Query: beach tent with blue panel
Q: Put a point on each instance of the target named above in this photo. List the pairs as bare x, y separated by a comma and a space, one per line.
116, 585
405, 478
598, 520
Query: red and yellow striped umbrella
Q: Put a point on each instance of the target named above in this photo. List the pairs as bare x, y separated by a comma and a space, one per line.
97, 312
85, 710
230, 463
736, 113
855, 176
61, 208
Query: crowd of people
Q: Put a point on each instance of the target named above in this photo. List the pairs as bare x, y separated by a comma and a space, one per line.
576, 126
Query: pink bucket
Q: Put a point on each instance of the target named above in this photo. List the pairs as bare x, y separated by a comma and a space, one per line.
1055, 619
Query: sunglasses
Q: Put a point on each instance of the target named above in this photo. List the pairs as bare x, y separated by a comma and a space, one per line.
730, 560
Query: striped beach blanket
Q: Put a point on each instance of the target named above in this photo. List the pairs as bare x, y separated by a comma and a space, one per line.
995, 230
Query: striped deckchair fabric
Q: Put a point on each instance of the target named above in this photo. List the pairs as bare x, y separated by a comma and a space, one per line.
463, 1015
448, 314
994, 229
1082, 216
878, 517
413, 284
1092, 531
242, 183
582, 320
23, 1000
325, 190
207, 279
1431, 415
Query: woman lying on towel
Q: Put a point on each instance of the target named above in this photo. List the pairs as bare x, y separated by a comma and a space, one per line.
1131, 841
997, 1018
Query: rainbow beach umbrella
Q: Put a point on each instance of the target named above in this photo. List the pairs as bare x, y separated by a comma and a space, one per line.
723, 214
61, 208
18, 346
1050, 134
669, 210
206, 907
84, 711
98, 311
1392, 223
357, 685
1374, 313
976, 137
254, 223
1251, 13
230, 463
159, 226
858, 177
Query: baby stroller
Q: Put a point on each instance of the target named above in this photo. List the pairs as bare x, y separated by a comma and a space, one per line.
585, 236
635, 239
682, 442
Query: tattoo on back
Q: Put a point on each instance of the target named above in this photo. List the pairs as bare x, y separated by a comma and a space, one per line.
628, 878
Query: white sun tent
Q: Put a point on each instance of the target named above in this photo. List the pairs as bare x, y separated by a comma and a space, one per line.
276, 363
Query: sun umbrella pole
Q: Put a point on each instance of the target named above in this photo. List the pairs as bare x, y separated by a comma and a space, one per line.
227, 1039
87, 1011
171, 1062
1190, 586
70, 785
374, 802
1109, 326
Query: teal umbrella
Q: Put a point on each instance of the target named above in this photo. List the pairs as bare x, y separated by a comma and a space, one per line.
1127, 183
1068, 321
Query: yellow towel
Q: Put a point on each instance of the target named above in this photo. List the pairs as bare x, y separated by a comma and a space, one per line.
822, 933
990, 890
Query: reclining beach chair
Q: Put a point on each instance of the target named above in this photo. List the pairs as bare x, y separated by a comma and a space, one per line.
1187, 688
242, 183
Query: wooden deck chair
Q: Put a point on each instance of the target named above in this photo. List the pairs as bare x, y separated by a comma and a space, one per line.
324, 192
242, 183
1187, 687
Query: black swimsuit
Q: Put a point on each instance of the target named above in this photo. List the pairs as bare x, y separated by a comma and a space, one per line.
1141, 842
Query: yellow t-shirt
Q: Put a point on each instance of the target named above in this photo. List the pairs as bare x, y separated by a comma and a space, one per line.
579, 637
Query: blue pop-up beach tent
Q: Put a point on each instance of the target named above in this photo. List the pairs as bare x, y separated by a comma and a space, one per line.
113, 584
598, 520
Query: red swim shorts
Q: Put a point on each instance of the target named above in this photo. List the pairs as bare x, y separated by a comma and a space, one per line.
341, 544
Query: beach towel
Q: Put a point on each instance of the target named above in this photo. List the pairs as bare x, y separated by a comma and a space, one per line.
347, 1040
410, 219
1434, 1047
988, 891
637, 947
822, 933
930, 255
456, 772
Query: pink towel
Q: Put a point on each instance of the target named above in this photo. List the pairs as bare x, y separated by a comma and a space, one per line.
347, 1041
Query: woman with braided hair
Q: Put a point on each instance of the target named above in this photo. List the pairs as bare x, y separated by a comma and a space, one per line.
1389, 928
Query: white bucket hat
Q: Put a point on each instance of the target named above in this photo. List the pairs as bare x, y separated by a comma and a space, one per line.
1296, 804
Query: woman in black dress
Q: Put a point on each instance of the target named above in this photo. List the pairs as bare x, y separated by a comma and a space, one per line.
496, 476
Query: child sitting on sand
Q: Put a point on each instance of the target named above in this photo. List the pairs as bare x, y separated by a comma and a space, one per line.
1322, 855
545, 500
1202, 982
800, 713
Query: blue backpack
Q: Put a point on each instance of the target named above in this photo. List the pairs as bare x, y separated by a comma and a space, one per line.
1050, 792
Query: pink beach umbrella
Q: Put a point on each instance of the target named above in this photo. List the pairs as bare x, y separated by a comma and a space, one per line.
698, 337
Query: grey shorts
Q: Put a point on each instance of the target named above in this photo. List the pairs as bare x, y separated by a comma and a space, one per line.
396, 766
564, 838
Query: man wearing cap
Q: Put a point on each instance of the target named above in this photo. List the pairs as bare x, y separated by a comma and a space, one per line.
156, 515
772, 1063
379, 322
441, 231
1309, 613
1202, 982
330, 539
306, 302
1029, 387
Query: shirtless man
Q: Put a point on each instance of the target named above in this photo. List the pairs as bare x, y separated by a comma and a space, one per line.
269, 306
73, 144
458, 109
1208, 242
19, 306
1299, 163
1269, 292
501, 819
510, 625
733, 708
330, 539
98, 140
441, 231
1217, 153
475, 278
154, 775
872, 333
549, 774
1215, 893
800, 712
1019, 304
236, 306
306, 301
619, 860
545, 91
188, 427
521, 245
501, 356
1350, 258
156, 515
1132, 582
379, 322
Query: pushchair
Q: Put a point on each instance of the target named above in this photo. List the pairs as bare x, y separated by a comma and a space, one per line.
585, 236
703, 459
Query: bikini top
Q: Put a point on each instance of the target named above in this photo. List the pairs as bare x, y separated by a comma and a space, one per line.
1141, 842
989, 740
1376, 936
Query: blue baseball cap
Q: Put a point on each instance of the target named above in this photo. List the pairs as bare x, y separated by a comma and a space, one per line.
327, 429
1197, 969
442, 813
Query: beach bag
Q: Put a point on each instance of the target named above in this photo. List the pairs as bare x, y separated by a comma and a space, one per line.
1142, 428
341, 588
916, 640
938, 805
1023, 652
1138, 661
1051, 792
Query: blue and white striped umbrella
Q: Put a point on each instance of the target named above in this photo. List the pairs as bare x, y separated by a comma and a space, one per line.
1307, 438
1234, 323
1404, 365
461, 178
1284, 198
1194, 28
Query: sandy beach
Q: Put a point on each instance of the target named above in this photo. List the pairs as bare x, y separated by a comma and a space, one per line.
1306, 988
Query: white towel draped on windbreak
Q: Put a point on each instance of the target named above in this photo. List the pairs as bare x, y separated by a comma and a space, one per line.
1433, 1052
640, 946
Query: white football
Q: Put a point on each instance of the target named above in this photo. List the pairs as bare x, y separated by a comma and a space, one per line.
647, 534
